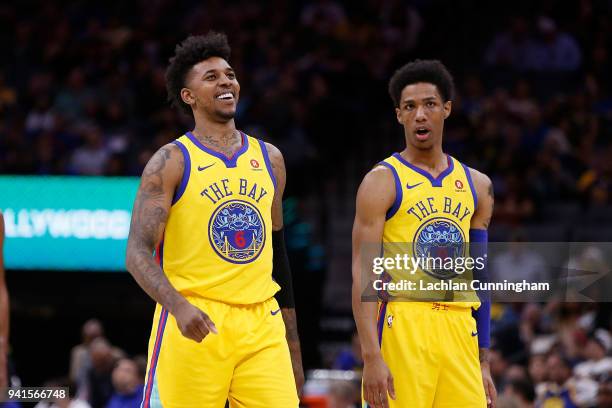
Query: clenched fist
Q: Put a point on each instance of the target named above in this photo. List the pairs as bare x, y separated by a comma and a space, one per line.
193, 323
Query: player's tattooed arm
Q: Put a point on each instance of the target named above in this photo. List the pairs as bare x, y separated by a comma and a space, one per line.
484, 191
149, 217
289, 316
161, 176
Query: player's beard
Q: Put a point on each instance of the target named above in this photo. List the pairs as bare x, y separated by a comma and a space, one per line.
226, 115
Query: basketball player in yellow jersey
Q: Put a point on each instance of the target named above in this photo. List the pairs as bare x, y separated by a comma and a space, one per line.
419, 353
206, 243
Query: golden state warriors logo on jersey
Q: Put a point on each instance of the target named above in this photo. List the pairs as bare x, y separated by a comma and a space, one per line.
237, 231
439, 239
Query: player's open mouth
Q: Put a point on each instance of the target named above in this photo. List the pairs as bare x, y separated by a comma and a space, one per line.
422, 133
227, 96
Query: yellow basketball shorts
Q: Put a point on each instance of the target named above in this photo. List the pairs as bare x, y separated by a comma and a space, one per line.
431, 350
247, 362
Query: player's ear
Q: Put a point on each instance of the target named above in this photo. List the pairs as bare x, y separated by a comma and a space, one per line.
398, 114
447, 109
187, 96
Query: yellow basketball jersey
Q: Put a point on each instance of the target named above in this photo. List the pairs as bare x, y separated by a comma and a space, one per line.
218, 239
430, 220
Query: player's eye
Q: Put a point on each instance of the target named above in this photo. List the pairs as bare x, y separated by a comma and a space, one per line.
231, 75
431, 104
210, 77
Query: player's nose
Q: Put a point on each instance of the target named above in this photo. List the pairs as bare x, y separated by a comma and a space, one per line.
225, 81
420, 113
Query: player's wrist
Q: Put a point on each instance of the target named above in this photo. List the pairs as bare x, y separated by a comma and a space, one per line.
371, 355
177, 304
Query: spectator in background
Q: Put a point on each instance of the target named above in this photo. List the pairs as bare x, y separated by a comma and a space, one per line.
510, 48
41, 117
515, 204
555, 51
559, 391
597, 364
129, 384
498, 365
323, 16
69, 402
80, 360
90, 159
521, 391
72, 99
518, 262
99, 376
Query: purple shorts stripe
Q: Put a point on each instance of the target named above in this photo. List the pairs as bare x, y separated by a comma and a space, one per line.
158, 340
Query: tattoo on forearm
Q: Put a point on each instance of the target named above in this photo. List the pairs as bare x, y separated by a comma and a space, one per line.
148, 222
483, 355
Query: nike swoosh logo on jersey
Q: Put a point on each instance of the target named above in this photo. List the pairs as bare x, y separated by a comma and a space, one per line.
201, 168
474, 334
408, 186
274, 312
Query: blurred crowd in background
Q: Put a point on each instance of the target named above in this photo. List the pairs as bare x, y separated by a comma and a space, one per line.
543, 355
82, 92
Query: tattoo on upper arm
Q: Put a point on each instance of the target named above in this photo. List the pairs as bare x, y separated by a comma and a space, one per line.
149, 217
150, 211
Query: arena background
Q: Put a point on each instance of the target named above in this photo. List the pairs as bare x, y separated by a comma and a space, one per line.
82, 94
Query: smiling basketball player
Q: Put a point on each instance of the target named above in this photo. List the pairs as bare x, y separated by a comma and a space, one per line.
210, 203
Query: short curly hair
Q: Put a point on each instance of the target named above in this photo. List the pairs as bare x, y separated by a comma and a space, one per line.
429, 71
187, 54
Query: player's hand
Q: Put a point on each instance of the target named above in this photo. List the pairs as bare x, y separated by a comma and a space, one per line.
377, 382
193, 323
489, 386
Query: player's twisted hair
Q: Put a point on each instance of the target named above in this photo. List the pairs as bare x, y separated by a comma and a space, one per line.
187, 54
429, 71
